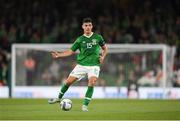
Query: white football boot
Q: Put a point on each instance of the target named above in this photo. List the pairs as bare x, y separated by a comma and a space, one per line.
84, 108
54, 100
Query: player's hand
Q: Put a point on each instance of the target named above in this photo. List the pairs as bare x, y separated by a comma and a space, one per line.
101, 59
55, 54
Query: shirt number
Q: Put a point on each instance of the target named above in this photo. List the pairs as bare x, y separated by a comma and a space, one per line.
89, 45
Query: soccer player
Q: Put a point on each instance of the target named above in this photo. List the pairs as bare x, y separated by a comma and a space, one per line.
93, 51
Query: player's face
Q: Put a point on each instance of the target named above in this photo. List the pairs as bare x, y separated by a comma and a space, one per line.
87, 27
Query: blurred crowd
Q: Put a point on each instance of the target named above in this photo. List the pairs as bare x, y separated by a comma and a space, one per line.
59, 21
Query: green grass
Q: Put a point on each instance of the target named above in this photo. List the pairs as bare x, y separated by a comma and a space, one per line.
99, 109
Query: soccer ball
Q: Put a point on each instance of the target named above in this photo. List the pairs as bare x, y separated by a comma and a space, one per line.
66, 104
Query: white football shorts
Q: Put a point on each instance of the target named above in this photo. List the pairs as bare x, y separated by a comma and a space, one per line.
81, 71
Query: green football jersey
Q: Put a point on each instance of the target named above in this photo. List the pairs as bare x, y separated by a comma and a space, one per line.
90, 48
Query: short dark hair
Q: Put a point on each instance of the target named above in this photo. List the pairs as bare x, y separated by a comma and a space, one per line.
86, 20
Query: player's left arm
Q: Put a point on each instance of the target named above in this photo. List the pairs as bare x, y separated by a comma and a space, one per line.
104, 53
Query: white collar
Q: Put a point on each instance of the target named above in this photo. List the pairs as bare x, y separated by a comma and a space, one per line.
88, 36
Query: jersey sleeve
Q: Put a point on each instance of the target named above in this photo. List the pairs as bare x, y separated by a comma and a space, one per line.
75, 45
101, 42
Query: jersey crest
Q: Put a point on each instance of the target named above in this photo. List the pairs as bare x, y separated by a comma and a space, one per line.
94, 42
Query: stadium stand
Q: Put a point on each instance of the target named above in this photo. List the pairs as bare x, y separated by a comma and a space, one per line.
58, 21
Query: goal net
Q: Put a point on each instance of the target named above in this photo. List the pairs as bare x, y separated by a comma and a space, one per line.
142, 65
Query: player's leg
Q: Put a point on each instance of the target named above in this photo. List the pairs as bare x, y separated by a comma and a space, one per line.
70, 80
77, 73
93, 75
89, 93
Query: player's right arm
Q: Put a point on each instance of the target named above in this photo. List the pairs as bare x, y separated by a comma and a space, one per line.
57, 54
74, 47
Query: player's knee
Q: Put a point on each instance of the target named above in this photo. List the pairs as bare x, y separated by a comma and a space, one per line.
68, 83
92, 81
70, 80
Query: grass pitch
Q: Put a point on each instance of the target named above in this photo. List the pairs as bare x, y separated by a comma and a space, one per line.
99, 109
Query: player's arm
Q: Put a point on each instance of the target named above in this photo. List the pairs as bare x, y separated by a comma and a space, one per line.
57, 54
66, 53
104, 53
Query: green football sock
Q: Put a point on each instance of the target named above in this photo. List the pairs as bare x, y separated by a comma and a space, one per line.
64, 88
88, 95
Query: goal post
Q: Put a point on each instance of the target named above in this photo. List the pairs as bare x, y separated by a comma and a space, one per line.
150, 65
